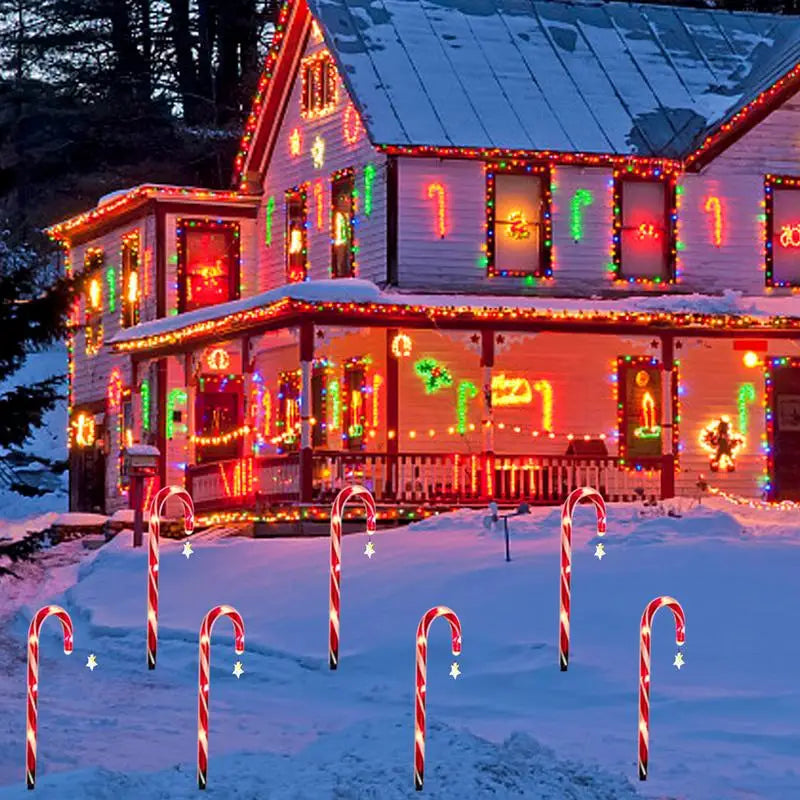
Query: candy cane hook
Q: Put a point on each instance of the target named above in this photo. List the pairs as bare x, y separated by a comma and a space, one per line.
154, 530
337, 512
645, 634
713, 206
33, 680
421, 687
204, 677
437, 191
567, 510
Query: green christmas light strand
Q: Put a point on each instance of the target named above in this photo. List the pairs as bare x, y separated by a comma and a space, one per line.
467, 390
111, 280
580, 200
747, 395
270, 212
369, 179
144, 394
175, 396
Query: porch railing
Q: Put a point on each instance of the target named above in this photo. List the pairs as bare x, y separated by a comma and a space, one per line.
257, 483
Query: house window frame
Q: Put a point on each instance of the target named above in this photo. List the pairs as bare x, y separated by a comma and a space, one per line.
319, 92
130, 311
229, 227
354, 365
670, 225
289, 383
347, 175
300, 271
771, 183
94, 261
544, 269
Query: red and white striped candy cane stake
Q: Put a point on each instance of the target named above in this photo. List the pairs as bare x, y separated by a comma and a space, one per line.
33, 680
337, 513
567, 510
421, 688
204, 678
645, 634
154, 530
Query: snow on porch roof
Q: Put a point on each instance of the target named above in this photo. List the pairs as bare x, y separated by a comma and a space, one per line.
353, 295
588, 77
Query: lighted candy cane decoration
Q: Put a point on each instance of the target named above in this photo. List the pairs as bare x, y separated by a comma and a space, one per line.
421, 685
437, 190
567, 510
545, 389
33, 680
204, 678
337, 513
644, 669
154, 530
713, 206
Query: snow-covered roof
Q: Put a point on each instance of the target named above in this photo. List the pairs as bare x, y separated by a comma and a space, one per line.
357, 295
589, 77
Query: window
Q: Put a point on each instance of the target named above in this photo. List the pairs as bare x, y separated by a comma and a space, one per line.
288, 421
208, 263
644, 229
354, 402
518, 221
130, 280
296, 235
93, 299
782, 246
639, 409
320, 91
219, 409
342, 215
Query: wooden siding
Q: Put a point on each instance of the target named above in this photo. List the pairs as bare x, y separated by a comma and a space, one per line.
286, 171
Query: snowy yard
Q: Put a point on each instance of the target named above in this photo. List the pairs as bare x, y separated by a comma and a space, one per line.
727, 725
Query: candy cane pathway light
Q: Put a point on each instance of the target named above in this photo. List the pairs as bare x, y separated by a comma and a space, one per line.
645, 636
337, 513
204, 677
33, 680
421, 682
567, 510
154, 530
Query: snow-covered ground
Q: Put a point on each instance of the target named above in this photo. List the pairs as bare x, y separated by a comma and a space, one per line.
727, 725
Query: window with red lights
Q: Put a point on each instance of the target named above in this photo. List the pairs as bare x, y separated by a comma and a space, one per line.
296, 235
518, 220
644, 232
639, 404
219, 414
342, 214
130, 280
782, 245
208, 263
320, 85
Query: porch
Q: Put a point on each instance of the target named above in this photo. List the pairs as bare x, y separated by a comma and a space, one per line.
260, 484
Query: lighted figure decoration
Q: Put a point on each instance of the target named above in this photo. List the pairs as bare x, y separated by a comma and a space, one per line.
154, 530
645, 639
269, 213
318, 152
790, 235
377, 382
508, 391
744, 397
369, 180
433, 374
218, 359
401, 345
114, 389
341, 228
545, 390
111, 282
32, 714
649, 429
751, 359
518, 226
337, 513
582, 198
295, 142
713, 207
352, 128
84, 429
174, 398
722, 443
467, 391
421, 683
335, 399
144, 396
567, 511
204, 680
438, 193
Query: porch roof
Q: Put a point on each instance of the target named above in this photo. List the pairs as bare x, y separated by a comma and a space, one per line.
356, 302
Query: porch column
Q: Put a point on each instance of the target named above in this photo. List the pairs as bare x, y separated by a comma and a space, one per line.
487, 415
668, 416
191, 395
306, 452
392, 413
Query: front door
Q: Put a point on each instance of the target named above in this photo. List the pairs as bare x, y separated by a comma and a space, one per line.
87, 479
784, 406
